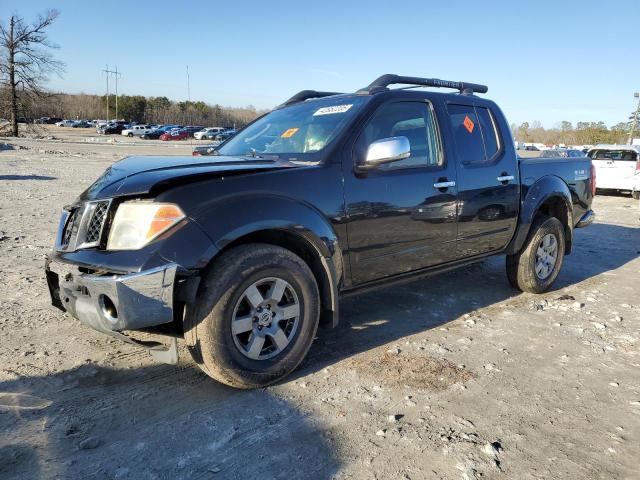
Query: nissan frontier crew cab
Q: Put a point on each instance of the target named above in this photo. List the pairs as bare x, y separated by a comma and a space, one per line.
242, 254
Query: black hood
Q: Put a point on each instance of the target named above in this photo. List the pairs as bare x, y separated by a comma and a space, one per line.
149, 174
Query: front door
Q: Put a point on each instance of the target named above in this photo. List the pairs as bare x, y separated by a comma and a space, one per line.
488, 180
401, 215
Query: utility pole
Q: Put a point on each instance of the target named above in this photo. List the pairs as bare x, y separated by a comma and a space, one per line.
188, 93
117, 75
188, 85
634, 121
106, 70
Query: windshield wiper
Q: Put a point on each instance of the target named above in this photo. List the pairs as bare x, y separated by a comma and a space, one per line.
254, 154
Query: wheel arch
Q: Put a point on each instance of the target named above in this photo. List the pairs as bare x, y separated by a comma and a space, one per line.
326, 270
550, 196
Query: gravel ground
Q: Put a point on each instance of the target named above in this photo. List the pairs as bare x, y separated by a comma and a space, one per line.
455, 376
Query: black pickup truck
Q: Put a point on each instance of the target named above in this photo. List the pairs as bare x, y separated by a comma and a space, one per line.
244, 253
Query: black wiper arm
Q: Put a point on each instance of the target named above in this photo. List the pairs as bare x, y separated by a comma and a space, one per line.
253, 154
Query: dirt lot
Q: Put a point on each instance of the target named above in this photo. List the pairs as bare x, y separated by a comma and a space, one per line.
456, 376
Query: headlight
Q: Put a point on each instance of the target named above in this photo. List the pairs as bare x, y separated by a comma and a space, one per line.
137, 223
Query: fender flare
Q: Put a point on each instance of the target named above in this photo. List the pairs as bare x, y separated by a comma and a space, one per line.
232, 218
544, 189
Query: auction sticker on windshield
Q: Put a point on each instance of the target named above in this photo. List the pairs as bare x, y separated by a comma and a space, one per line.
331, 110
289, 133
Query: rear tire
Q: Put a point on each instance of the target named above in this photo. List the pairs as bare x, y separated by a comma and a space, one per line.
635, 194
229, 334
538, 264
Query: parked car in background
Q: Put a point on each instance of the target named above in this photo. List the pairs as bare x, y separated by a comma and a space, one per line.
617, 167
155, 133
136, 130
562, 153
47, 120
573, 153
221, 137
82, 124
208, 133
113, 129
533, 147
205, 150
192, 129
152, 134
65, 123
179, 134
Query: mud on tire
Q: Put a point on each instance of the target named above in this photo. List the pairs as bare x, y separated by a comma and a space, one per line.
527, 270
223, 291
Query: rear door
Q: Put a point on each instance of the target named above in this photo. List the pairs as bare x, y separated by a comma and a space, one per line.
488, 179
615, 168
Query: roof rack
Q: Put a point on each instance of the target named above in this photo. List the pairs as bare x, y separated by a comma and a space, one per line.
305, 95
381, 84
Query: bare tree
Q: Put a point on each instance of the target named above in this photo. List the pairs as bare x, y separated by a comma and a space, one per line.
26, 61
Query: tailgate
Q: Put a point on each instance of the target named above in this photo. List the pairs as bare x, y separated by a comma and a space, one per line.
616, 169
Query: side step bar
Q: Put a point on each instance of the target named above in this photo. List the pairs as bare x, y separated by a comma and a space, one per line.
587, 219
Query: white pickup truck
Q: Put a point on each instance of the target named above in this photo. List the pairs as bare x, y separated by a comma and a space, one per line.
617, 167
137, 130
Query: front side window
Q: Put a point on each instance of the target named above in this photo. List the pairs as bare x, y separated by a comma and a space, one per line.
298, 132
414, 120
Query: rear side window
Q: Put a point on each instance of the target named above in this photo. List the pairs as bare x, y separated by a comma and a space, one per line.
475, 134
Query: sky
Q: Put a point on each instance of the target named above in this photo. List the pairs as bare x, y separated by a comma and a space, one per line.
542, 60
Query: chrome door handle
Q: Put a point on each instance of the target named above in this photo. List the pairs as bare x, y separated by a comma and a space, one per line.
444, 184
505, 178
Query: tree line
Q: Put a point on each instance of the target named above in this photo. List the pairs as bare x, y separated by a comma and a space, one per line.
583, 133
141, 109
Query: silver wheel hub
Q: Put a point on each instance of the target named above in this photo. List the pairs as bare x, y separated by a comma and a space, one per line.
546, 256
265, 318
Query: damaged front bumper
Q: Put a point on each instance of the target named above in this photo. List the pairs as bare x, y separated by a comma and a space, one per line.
112, 303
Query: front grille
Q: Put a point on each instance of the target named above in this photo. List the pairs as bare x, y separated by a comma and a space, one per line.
83, 226
72, 220
94, 228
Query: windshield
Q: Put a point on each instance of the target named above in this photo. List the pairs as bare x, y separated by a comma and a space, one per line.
298, 132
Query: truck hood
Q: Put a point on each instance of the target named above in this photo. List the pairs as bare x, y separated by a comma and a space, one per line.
143, 175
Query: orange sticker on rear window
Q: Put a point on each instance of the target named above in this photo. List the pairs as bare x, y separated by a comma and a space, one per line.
468, 124
289, 133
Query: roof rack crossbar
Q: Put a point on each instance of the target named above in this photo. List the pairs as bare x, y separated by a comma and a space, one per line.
382, 82
305, 95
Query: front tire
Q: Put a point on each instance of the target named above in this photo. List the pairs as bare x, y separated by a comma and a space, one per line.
538, 264
635, 194
256, 316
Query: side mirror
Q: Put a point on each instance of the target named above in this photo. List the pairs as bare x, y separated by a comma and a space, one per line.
386, 150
